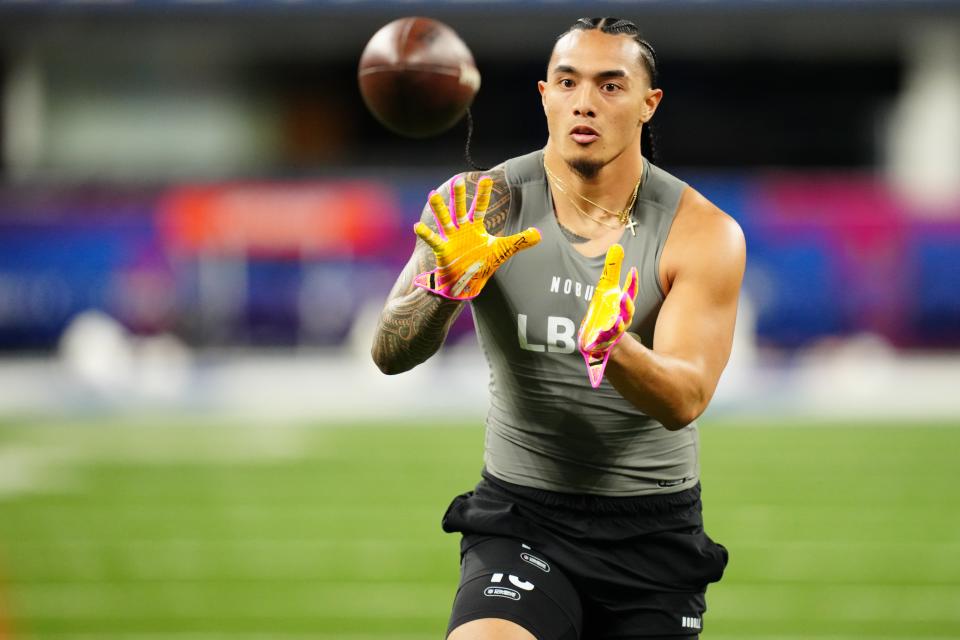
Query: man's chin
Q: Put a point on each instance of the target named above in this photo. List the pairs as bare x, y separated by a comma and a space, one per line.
586, 166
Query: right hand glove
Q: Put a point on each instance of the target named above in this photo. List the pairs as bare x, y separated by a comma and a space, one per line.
466, 254
608, 316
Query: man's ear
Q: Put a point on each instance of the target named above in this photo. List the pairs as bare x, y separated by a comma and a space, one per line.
650, 103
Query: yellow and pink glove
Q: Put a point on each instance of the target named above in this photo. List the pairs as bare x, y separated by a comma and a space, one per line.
466, 254
608, 316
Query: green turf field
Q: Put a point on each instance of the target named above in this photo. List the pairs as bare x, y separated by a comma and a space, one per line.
152, 531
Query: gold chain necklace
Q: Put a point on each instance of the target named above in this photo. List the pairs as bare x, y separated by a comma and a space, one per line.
622, 216
582, 212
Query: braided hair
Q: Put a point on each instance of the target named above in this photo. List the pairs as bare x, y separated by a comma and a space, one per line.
648, 58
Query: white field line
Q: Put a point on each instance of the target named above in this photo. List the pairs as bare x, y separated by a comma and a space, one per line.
38, 465
167, 444
28, 469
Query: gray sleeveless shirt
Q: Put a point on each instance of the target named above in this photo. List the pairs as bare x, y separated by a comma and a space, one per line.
547, 428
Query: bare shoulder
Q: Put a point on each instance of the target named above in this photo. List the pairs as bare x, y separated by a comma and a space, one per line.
703, 238
699, 220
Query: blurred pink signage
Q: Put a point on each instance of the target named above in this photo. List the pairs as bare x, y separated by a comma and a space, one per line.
296, 220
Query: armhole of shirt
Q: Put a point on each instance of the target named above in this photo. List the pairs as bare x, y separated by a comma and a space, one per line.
662, 243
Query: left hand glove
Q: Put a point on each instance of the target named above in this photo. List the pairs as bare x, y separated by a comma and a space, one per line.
608, 316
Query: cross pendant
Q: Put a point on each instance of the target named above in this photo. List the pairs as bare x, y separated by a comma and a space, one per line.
630, 225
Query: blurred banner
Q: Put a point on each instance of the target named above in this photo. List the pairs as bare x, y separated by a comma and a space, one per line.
280, 263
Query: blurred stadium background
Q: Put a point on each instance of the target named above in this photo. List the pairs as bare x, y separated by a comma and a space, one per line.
199, 222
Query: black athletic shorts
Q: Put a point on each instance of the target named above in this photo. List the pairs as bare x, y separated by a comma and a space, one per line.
568, 567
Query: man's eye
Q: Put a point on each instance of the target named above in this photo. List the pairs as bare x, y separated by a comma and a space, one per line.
610, 87
566, 82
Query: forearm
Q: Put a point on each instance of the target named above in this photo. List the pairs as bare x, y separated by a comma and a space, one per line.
414, 322
666, 388
411, 329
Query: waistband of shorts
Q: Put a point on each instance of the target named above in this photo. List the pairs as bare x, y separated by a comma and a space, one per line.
649, 504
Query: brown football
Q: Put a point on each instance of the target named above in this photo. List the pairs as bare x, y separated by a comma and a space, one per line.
417, 77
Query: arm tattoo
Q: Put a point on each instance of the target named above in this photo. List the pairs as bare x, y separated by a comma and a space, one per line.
414, 322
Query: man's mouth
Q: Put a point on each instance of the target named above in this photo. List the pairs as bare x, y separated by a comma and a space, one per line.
583, 134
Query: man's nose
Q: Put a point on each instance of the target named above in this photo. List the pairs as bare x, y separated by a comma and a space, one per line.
583, 103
